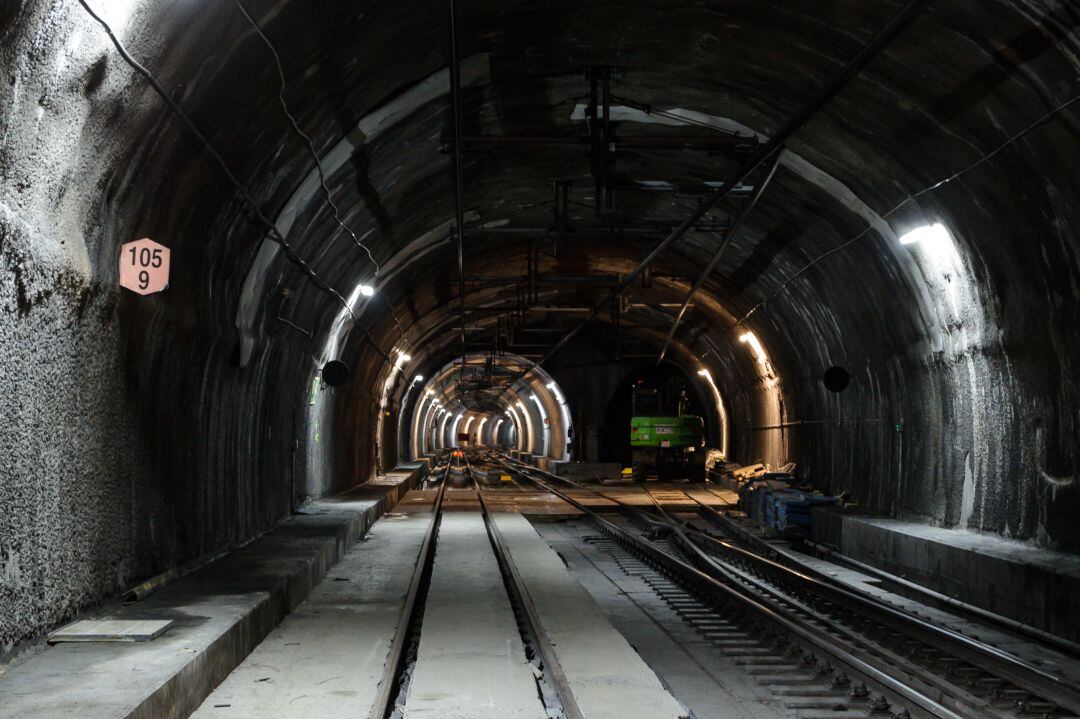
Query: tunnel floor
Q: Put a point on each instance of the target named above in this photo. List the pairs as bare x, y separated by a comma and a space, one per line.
492, 589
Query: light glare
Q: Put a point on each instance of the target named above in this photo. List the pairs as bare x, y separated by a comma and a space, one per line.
367, 290
934, 233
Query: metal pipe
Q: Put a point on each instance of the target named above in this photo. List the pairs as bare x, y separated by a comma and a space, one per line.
854, 66
459, 202
758, 191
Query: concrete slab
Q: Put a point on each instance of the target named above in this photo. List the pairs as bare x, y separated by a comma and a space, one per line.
111, 630
1030, 584
327, 658
221, 612
471, 662
709, 683
605, 675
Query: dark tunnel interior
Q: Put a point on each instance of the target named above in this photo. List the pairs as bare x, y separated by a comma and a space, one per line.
917, 230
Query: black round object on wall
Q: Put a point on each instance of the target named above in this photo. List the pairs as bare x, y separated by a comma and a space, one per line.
836, 379
335, 373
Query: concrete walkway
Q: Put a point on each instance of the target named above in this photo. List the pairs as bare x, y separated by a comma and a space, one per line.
471, 662
222, 611
607, 678
327, 658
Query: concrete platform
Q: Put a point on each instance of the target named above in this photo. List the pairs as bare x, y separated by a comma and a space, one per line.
221, 612
328, 657
1031, 585
606, 677
471, 662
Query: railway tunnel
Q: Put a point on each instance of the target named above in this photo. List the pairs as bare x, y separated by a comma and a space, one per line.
405, 242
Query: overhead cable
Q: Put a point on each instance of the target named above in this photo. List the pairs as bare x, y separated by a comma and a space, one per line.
911, 198
272, 229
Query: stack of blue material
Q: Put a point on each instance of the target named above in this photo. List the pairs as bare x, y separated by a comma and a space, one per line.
755, 496
791, 512
771, 501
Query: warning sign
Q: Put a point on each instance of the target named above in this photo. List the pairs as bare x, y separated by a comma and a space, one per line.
144, 266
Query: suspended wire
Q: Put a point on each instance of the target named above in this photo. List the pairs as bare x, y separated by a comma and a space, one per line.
307, 139
668, 115
912, 198
336, 212
272, 229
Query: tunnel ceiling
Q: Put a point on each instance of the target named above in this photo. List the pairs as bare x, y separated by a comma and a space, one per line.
954, 83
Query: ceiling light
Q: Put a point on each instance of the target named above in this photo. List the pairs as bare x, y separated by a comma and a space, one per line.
367, 290
927, 233
755, 344
405, 357
418, 378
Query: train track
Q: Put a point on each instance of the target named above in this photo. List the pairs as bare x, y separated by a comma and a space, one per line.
394, 686
886, 662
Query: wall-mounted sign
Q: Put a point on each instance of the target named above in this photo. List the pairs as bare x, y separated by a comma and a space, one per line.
144, 266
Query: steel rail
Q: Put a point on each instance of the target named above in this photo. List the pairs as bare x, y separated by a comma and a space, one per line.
932, 597
383, 704
927, 596
952, 695
855, 659
552, 668
987, 657
1006, 665
728, 237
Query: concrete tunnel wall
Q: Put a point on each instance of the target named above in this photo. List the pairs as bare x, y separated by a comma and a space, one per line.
143, 433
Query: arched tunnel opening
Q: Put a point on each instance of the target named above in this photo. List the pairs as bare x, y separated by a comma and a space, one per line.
321, 323
659, 390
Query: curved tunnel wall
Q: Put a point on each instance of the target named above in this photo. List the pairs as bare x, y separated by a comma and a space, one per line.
534, 404
147, 432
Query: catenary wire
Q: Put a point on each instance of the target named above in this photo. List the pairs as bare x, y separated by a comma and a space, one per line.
910, 198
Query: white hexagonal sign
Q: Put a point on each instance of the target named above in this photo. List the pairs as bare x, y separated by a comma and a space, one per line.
144, 266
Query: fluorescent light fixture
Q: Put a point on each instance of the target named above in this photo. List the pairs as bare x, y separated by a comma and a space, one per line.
755, 344
934, 233
367, 290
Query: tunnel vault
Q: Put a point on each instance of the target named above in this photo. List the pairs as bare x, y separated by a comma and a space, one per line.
165, 428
